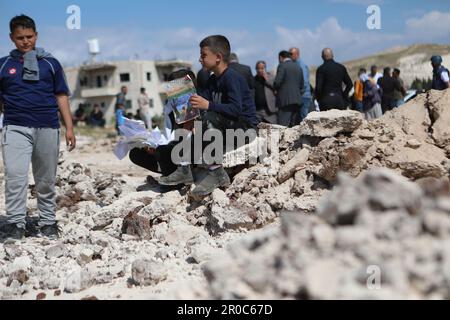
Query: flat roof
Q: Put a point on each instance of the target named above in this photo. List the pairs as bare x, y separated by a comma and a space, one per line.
173, 63
97, 66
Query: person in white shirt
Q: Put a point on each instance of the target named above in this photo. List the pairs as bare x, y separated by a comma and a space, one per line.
144, 108
374, 75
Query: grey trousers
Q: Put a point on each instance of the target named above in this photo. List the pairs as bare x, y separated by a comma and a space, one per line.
20, 146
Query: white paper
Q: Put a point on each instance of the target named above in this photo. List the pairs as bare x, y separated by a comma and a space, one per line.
137, 136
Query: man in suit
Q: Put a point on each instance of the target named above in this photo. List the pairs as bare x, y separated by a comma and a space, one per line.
244, 70
289, 84
329, 78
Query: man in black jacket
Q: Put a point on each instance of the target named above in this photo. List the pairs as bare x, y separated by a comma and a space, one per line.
289, 84
244, 70
329, 78
389, 85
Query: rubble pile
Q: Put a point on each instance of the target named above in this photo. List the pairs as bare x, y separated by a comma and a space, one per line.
377, 237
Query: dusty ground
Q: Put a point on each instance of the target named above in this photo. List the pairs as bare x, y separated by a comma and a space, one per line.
185, 279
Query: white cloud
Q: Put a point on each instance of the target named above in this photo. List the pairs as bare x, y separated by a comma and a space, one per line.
431, 26
345, 43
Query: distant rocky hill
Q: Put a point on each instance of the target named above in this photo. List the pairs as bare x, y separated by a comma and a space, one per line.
413, 61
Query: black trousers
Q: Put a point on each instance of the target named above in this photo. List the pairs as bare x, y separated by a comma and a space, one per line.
332, 101
160, 162
387, 104
288, 115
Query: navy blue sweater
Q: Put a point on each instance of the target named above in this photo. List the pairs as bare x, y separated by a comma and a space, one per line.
229, 94
31, 103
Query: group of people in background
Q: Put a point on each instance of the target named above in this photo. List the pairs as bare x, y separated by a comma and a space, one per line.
287, 97
377, 93
95, 118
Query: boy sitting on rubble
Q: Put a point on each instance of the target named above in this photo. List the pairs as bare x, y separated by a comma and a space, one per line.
226, 103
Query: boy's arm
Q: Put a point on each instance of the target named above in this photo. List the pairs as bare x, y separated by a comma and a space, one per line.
232, 108
64, 108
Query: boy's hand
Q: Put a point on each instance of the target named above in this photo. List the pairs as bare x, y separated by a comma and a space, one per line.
71, 141
199, 102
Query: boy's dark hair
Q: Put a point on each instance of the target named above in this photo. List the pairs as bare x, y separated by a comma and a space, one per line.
284, 54
22, 21
142, 90
182, 73
218, 44
397, 71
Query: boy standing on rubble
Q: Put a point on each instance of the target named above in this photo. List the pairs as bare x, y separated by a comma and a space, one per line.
32, 89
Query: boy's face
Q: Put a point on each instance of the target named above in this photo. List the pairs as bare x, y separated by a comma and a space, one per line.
24, 39
209, 59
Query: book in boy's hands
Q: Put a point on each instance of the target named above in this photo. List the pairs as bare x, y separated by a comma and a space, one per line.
179, 91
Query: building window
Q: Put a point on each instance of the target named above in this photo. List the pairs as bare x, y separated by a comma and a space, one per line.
124, 77
84, 82
99, 82
149, 76
151, 103
128, 104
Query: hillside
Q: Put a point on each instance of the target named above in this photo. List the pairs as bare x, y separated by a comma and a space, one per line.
413, 61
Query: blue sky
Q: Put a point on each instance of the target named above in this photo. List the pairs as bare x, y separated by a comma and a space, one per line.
257, 29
